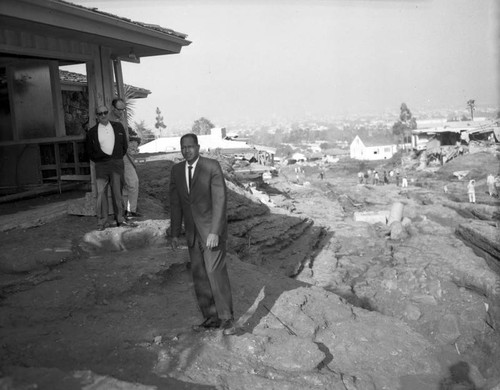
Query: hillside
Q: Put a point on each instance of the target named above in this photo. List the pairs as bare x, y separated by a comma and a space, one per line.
325, 296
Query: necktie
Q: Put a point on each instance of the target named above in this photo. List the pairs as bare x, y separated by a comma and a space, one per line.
190, 176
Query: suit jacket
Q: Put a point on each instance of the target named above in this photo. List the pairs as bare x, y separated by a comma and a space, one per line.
204, 208
93, 147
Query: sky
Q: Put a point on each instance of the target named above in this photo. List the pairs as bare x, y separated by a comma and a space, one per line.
257, 60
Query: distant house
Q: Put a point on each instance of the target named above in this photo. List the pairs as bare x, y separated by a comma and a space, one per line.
336, 152
451, 133
299, 157
373, 149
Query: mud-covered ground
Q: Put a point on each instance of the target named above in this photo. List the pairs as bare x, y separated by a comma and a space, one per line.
74, 299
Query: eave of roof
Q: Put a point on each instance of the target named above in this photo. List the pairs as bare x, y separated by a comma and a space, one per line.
372, 142
146, 25
62, 18
73, 78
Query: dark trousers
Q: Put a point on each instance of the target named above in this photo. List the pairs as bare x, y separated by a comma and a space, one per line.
211, 280
109, 174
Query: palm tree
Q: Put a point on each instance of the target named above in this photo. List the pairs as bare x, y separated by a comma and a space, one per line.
128, 98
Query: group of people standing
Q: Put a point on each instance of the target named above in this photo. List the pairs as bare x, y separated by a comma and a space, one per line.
373, 177
493, 184
107, 146
198, 198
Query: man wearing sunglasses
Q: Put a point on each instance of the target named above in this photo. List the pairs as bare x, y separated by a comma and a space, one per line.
106, 145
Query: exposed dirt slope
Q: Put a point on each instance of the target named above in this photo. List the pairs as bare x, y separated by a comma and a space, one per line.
363, 311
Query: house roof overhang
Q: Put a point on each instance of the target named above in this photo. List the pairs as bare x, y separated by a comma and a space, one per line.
60, 18
78, 82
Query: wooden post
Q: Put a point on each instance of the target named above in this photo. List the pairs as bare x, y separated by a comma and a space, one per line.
57, 99
117, 66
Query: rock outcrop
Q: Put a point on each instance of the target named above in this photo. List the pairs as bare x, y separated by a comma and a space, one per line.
323, 300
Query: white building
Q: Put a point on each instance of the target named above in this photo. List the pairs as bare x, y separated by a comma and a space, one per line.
372, 150
215, 140
299, 157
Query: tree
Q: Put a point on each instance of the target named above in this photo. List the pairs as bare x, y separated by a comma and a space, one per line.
472, 106
284, 150
398, 131
159, 121
407, 122
202, 126
325, 146
144, 133
128, 98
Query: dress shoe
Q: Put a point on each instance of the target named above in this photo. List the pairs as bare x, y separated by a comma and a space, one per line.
126, 224
134, 214
102, 227
228, 327
209, 323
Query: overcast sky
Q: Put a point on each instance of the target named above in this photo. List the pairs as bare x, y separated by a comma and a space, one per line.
253, 60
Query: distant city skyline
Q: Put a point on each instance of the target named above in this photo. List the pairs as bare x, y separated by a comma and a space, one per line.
255, 60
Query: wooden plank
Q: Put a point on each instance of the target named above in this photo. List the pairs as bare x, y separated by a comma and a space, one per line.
75, 177
68, 178
35, 217
48, 140
48, 189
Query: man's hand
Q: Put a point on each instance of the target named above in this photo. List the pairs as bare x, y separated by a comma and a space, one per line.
174, 243
212, 241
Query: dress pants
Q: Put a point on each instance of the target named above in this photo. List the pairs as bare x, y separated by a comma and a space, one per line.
130, 185
109, 173
211, 280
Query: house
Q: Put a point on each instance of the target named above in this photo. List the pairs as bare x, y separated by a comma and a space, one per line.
457, 132
299, 157
372, 149
37, 38
265, 154
75, 96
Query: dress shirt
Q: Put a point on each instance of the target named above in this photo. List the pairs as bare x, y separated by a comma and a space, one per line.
192, 172
106, 138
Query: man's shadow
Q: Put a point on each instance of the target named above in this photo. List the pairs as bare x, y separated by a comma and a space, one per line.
458, 378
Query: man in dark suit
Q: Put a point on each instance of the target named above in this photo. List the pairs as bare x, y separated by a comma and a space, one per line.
106, 145
198, 195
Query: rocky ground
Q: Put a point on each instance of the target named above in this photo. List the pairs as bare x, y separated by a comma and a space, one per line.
327, 294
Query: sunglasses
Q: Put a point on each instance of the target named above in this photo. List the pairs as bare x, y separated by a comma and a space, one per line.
103, 113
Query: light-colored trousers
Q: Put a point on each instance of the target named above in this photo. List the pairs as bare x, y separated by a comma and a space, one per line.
130, 186
472, 197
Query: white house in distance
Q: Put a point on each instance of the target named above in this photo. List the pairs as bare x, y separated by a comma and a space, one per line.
372, 149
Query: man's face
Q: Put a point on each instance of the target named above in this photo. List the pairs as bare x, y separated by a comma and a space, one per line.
119, 109
133, 147
102, 114
190, 151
